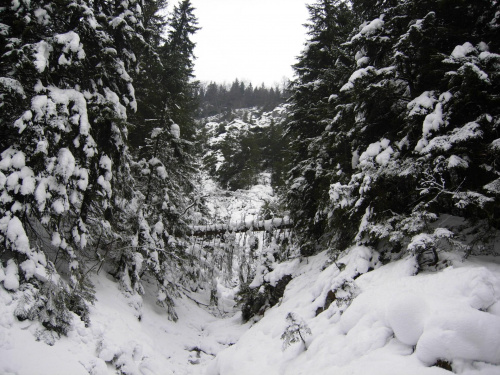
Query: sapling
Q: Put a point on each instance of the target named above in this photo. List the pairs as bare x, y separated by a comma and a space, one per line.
296, 330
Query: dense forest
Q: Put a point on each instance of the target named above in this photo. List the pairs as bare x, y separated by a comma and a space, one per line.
394, 123
216, 98
94, 170
390, 127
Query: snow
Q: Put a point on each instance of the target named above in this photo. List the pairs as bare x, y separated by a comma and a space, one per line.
106, 163
370, 28
175, 130
493, 187
18, 160
360, 73
65, 164
71, 42
455, 161
434, 120
384, 319
117, 339
422, 103
29, 182
119, 108
461, 51
42, 16
380, 150
59, 206
379, 319
83, 175
42, 54
10, 276
14, 231
155, 132
446, 314
373, 26
64, 97
13, 85
483, 76
162, 172
469, 131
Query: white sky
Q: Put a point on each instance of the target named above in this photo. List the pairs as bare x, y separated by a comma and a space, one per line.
254, 40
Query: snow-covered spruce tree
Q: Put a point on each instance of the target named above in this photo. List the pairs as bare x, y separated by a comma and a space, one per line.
242, 161
164, 170
165, 180
296, 331
178, 58
65, 88
413, 130
322, 67
149, 76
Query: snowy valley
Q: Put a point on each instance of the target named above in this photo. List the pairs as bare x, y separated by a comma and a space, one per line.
343, 314
344, 222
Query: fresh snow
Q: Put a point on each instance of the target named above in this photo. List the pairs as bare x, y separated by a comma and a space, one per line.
384, 320
42, 54
381, 151
398, 322
461, 51
153, 345
380, 318
175, 130
13, 85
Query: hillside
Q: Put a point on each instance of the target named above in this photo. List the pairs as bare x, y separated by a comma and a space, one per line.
357, 316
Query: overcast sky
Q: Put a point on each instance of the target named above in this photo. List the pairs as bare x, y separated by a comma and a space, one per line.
254, 40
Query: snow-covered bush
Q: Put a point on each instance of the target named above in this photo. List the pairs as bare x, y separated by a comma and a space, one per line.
46, 302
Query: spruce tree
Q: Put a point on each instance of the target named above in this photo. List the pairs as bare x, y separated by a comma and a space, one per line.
178, 58
409, 128
321, 68
65, 66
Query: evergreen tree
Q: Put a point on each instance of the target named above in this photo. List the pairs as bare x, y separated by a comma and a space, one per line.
178, 58
322, 66
149, 76
410, 129
64, 65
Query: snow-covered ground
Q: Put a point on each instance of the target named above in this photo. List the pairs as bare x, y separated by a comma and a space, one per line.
394, 322
116, 341
353, 315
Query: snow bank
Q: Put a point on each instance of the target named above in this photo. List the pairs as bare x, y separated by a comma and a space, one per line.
388, 321
461, 51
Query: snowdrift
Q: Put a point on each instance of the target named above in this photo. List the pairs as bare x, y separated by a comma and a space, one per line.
381, 319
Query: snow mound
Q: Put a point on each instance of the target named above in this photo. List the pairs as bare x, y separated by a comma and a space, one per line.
379, 320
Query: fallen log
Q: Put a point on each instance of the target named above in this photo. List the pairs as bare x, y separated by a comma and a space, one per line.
255, 226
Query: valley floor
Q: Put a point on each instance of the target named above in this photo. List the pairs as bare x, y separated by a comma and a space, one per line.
117, 340
393, 323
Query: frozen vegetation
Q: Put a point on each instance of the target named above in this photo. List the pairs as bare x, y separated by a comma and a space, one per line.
350, 314
352, 230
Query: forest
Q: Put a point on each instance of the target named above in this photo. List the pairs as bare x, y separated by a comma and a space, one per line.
383, 149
